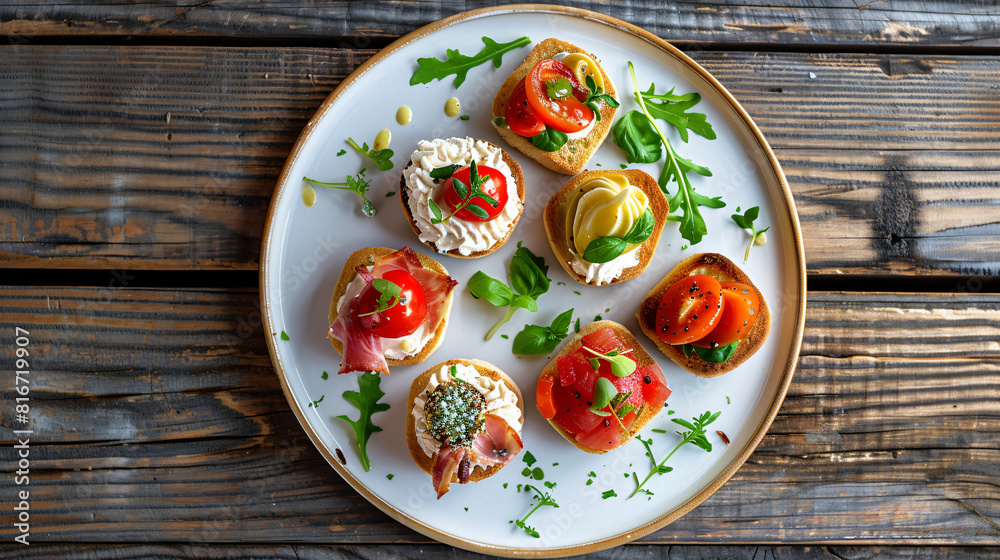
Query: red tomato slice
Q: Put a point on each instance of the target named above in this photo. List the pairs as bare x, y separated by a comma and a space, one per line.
565, 115
400, 319
543, 396
496, 188
689, 309
655, 390
519, 116
738, 316
608, 434
603, 341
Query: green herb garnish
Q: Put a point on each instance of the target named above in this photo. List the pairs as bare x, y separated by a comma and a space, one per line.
388, 297
559, 89
380, 157
527, 278
715, 355
673, 109
606, 249
431, 68
746, 222
608, 494
536, 339
284, 336
549, 140
695, 434
341, 152
356, 184
468, 193
325, 376
315, 403
365, 399
596, 96
621, 365
464, 118
544, 499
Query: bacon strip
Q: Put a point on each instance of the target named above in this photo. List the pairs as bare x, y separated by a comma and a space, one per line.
447, 461
498, 444
363, 350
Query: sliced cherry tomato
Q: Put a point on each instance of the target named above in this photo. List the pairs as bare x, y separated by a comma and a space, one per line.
519, 116
568, 114
738, 315
402, 318
495, 188
689, 309
543, 396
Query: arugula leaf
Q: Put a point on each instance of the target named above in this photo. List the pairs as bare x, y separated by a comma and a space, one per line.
379, 157
536, 339
357, 184
673, 109
527, 279
596, 96
430, 68
686, 201
695, 436
745, 221
635, 135
366, 400
549, 140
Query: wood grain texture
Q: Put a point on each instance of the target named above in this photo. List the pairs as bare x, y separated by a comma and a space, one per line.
970, 23
165, 398
165, 157
413, 551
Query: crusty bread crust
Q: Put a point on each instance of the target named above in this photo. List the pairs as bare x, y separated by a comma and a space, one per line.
426, 463
515, 171
642, 359
367, 257
558, 206
572, 157
724, 270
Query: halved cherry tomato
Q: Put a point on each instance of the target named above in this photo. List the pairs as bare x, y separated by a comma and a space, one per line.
689, 309
496, 188
543, 396
738, 316
400, 319
520, 117
565, 115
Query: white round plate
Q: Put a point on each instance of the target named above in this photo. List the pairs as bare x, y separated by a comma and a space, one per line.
304, 249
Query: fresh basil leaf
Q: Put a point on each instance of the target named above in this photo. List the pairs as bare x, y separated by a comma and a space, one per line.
560, 325
528, 273
604, 249
549, 140
635, 135
443, 172
534, 340
687, 349
558, 89
717, 355
642, 229
526, 302
458, 64
492, 290
604, 391
477, 210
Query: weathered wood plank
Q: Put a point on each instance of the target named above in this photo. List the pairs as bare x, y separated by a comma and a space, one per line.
165, 158
163, 398
970, 23
413, 551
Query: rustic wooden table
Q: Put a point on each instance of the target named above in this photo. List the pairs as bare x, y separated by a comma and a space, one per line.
140, 145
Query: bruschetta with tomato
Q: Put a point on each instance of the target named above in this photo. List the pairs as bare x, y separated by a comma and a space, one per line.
706, 315
601, 389
556, 107
390, 308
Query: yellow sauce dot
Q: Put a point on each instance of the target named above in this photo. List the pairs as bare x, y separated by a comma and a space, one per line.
406, 346
308, 196
382, 140
403, 115
452, 107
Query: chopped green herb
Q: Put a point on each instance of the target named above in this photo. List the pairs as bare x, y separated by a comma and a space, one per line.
284, 336
592, 474
549, 485
529, 458
464, 118
555, 464
577, 324
526, 472
466, 509
315, 403
589, 482
390, 476
670, 413
458, 64
560, 283
505, 337
623, 166
608, 494
727, 400
325, 376
597, 317
505, 485
390, 194
341, 152
658, 431
577, 293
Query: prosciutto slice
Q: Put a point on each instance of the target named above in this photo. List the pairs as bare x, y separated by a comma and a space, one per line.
362, 349
448, 460
498, 444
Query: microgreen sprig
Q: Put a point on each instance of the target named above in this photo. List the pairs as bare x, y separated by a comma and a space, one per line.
380, 157
357, 184
695, 435
745, 221
467, 193
544, 499
621, 365
597, 95
388, 298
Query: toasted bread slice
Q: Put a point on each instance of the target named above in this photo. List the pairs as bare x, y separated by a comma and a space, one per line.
722, 269
572, 157
642, 359
515, 171
367, 257
426, 463
556, 219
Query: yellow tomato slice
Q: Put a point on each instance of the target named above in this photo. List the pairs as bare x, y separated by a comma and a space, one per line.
583, 66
